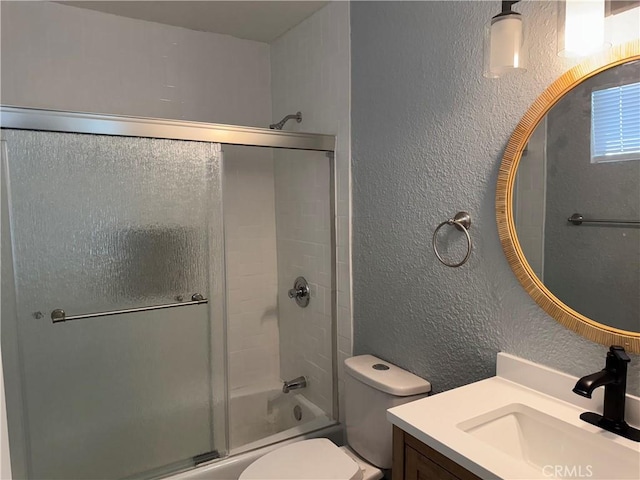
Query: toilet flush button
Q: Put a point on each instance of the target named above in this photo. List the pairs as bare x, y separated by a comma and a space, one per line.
380, 366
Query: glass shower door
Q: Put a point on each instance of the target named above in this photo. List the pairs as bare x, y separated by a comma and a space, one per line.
278, 227
100, 224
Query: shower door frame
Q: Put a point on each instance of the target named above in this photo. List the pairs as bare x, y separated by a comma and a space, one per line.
22, 118
77, 122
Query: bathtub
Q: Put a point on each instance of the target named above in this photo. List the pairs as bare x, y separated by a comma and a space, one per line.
258, 417
261, 421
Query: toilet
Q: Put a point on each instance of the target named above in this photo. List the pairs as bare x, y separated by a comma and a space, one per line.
371, 387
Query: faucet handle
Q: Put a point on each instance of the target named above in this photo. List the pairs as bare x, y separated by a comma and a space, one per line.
619, 353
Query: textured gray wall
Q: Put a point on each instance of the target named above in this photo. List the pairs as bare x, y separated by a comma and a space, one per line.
428, 136
599, 276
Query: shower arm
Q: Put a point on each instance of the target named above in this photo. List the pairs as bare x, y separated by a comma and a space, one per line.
280, 124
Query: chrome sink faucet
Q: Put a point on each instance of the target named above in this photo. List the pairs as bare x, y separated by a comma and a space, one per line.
614, 379
294, 384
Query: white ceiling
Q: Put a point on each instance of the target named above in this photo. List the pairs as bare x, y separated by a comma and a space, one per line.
262, 21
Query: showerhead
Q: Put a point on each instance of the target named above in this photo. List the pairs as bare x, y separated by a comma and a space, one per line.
280, 124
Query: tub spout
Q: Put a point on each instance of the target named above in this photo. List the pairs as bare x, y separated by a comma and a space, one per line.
294, 384
587, 384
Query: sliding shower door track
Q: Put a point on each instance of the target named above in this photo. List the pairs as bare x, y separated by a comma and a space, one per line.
75, 122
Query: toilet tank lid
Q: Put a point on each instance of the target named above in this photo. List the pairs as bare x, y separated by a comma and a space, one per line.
385, 376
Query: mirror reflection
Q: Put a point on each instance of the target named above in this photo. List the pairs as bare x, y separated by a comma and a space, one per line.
584, 157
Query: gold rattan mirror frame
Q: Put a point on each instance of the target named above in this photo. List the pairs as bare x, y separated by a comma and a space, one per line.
568, 317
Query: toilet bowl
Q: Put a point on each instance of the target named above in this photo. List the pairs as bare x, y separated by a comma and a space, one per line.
371, 387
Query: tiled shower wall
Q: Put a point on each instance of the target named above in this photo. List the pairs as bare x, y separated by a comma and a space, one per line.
251, 267
68, 58
529, 202
310, 72
304, 249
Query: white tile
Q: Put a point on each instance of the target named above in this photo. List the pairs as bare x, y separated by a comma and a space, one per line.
310, 69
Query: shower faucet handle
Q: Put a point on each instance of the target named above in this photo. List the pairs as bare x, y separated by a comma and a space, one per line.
300, 292
293, 293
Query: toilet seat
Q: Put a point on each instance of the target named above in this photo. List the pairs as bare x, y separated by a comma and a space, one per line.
315, 459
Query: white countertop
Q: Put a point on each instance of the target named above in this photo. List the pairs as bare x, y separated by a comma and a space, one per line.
434, 420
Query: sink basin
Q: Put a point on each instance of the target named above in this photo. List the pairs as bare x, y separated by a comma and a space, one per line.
558, 449
522, 424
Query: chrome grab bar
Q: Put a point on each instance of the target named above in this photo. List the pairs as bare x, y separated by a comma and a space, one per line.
578, 219
58, 315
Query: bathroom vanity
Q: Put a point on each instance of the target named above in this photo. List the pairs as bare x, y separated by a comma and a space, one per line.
522, 423
413, 460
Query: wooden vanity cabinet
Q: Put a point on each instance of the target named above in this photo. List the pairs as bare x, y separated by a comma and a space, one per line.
413, 460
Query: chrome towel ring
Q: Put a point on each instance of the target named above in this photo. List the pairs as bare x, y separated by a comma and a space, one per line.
462, 221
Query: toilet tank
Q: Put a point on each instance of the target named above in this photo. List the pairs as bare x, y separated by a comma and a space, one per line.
371, 387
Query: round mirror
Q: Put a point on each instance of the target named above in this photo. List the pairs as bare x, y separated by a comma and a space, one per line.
568, 199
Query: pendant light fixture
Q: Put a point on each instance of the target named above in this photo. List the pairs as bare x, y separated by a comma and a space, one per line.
504, 48
581, 27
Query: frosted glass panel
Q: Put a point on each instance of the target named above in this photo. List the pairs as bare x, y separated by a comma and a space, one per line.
102, 223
